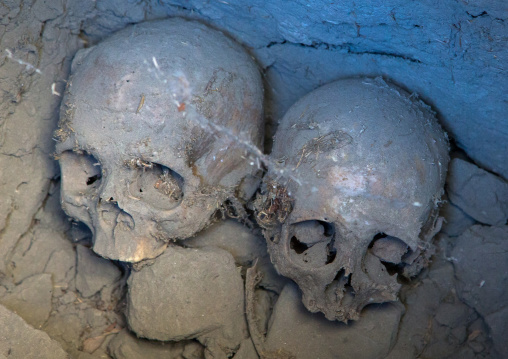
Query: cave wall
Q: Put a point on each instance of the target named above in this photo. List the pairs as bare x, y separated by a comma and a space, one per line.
452, 54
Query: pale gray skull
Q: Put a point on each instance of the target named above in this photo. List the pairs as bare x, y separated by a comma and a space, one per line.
354, 202
147, 134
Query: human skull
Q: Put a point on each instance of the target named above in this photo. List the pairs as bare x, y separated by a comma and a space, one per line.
354, 198
151, 131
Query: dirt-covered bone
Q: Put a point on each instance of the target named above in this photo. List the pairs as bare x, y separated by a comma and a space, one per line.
367, 164
138, 165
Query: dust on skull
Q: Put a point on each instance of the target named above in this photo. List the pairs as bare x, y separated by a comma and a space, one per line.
363, 169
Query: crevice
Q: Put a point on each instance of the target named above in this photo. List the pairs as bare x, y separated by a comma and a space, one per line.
34, 221
7, 220
346, 47
20, 153
484, 13
387, 54
273, 43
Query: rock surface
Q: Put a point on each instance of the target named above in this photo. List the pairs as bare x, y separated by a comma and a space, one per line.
480, 194
18, 340
455, 220
37, 251
31, 299
187, 294
243, 244
297, 333
436, 323
480, 260
127, 346
93, 272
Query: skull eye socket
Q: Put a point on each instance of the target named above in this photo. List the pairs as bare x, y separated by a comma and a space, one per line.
81, 173
390, 250
157, 185
312, 243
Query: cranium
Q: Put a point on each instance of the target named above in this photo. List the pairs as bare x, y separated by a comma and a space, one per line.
353, 203
146, 136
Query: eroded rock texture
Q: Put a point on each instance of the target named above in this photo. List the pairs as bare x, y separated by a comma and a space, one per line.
300, 334
480, 194
127, 346
189, 294
480, 260
19, 340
